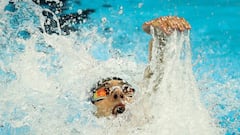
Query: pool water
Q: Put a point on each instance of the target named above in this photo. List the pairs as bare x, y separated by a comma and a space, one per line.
48, 64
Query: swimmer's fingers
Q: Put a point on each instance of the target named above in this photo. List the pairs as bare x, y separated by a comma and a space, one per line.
185, 23
167, 24
164, 26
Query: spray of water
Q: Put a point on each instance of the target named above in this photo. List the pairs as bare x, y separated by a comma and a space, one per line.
51, 90
176, 97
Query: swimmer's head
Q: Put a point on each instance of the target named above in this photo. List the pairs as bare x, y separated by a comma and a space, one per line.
111, 95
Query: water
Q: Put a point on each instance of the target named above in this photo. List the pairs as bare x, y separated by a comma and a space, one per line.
45, 79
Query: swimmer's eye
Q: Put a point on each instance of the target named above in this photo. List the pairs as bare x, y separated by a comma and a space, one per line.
99, 94
128, 90
124, 88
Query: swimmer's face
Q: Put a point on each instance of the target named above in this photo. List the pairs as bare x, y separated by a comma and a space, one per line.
117, 95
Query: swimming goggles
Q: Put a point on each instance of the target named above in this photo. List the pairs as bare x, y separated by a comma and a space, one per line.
104, 88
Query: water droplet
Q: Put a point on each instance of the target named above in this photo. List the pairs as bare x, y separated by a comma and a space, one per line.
79, 11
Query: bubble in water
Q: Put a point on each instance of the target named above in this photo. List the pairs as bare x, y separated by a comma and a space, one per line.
120, 10
104, 19
140, 5
79, 11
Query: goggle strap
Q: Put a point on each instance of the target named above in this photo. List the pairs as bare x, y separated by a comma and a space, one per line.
96, 100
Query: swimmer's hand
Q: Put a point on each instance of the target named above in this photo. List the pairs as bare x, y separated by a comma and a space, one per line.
167, 24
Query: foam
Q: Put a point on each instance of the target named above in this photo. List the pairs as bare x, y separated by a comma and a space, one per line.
58, 104
177, 94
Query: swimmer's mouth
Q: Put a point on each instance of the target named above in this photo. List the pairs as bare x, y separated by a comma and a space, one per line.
118, 109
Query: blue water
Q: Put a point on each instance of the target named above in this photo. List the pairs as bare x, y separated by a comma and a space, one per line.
215, 38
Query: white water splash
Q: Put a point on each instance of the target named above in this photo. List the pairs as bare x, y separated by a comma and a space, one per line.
58, 104
176, 100
170, 105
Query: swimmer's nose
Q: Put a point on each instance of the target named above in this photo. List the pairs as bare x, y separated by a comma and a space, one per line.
118, 95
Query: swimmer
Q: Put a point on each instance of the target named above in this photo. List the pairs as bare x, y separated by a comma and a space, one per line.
111, 95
